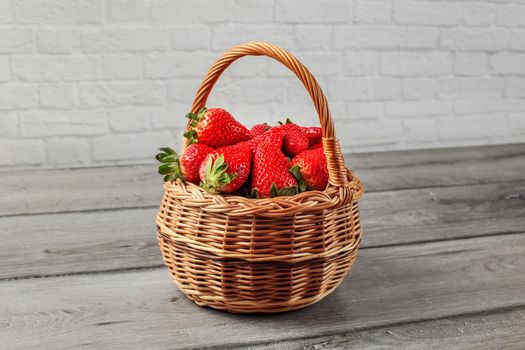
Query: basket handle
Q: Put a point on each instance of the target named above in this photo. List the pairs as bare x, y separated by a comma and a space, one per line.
334, 158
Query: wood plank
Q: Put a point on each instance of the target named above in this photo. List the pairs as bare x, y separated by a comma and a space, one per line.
486, 331
44, 191
144, 310
103, 241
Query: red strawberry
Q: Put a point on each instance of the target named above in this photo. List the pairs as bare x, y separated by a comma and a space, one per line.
273, 136
191, 160
310, 169
259, 129
216, 127
226, 169
270, 175
317, 145
294, 141
314, 134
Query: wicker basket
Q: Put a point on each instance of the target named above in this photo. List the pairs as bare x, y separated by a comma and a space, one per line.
262, 255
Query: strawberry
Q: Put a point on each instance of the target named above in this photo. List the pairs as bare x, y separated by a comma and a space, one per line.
226, 169
274, 136
270, 175
294, 141
191, 160
259, 129
310, 169
314, 134
215, 127
315, 146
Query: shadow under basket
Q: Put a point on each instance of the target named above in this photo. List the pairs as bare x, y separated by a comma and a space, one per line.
262, 255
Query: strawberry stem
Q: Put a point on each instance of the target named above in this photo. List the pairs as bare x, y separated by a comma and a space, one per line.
296, 172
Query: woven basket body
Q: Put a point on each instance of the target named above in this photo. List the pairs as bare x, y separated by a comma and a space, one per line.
262, 255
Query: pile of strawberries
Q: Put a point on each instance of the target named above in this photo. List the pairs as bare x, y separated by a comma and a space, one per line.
223, 156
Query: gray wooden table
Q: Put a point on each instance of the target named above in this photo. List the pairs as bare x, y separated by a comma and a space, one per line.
442, 263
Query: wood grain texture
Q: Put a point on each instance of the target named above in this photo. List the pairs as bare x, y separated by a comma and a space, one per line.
144, 310
125, 239
47, 191
485, 331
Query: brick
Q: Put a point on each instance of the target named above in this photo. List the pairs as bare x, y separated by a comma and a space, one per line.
253, 11
416, 131
385, 37
68, 152
365, 89
372, 12
478, 14
427, 13
22, 152
418, 108
125, 39
163, 66
18, 96
5, 71
360, 63
63, 123
313, 36
517, 123
6, 15
130, 119
58, 11
252, 67
323, 64
517, 40
228, 35
133, 11
191, 37
42, 68
471, 127
419, 88
58, 95
416, 63
364, 110
121, 67
169, 11
81, 68
297, 11
171, 116
470, 63
470, 87
57, 41
8, 125
475, 39
16, 40
128, 147
510, 15
515, 88
506, 63
122, 93
258, 91
183, 90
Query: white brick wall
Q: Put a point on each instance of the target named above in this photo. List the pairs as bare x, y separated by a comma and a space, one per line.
96, 82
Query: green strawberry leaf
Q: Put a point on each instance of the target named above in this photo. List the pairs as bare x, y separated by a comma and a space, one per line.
296, 172
215, 175
274, 191
254, 193
170, 166
288, 191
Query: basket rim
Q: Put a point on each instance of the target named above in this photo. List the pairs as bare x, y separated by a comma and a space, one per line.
237, 205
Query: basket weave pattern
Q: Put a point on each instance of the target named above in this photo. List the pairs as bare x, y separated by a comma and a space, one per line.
262, 255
